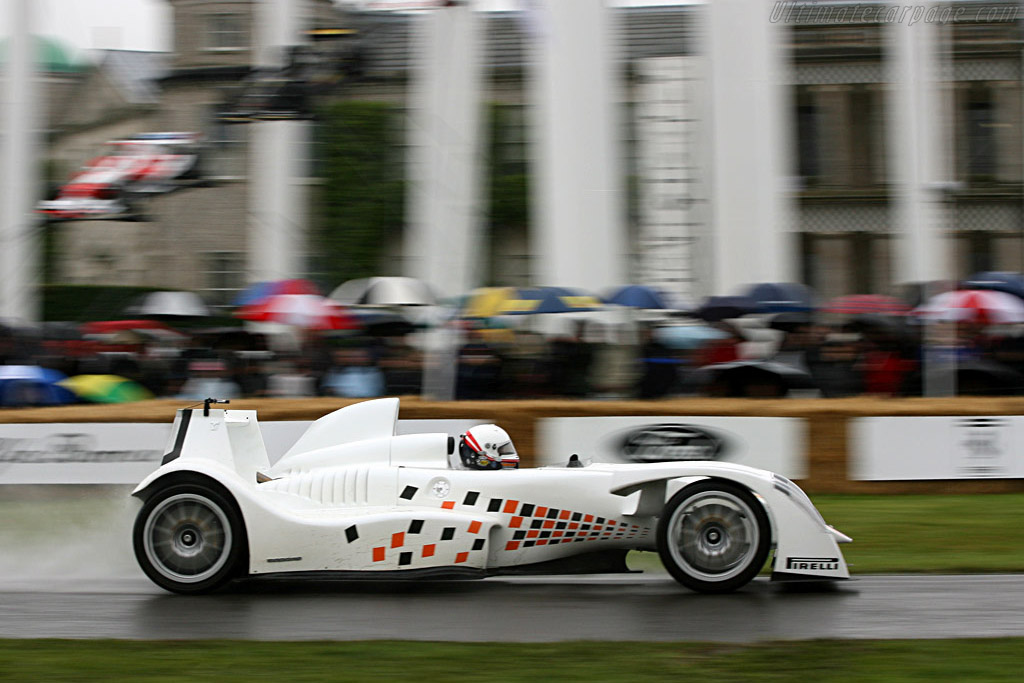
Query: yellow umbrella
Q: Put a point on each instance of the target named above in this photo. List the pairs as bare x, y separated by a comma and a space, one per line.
487, 301
106, 388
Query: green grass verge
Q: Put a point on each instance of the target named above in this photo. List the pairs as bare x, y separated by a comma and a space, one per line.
54, 660
941, 533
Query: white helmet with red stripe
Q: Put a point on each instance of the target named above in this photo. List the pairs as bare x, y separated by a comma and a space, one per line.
488, 447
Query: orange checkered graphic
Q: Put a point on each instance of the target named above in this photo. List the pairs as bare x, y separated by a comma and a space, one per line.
378, 554
474, 526
428, 550
510, 506
448, 504
398, 539
461, 557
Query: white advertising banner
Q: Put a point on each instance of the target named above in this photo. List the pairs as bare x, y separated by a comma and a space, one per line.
771, 443
124, 453
920, 448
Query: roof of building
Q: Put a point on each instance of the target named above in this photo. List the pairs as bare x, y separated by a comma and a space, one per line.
52, 54
136, 74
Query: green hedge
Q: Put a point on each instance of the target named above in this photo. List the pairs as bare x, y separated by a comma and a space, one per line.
84, 303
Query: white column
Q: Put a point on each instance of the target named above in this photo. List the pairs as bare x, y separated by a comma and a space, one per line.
919, 164
443, 243
19, 243
920, 169
749, 109
278, 199
278, 158
669, 174
578, 235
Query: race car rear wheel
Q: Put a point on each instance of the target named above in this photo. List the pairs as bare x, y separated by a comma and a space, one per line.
189, 538
714, 536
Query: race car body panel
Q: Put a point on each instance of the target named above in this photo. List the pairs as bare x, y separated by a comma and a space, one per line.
350, 496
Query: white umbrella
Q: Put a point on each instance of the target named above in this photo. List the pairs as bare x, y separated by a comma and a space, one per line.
988, 307
178, 304
384, 291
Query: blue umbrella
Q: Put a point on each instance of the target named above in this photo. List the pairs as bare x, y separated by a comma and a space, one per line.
782, 297
31, 385
1000, 281
640, 296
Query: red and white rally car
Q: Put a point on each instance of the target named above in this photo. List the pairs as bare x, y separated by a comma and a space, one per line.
110, 185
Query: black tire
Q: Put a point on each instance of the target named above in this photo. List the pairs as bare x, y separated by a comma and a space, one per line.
190, 538
714, 536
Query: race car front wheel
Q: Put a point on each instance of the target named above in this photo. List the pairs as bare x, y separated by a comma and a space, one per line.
189, 538
713, 536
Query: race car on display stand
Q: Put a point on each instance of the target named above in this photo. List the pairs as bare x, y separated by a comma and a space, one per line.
352, 499
111, 185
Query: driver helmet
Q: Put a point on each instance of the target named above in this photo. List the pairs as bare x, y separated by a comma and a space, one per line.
488, 447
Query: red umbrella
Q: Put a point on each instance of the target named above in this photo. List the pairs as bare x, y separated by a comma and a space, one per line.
984, 306
864, 304
309, 311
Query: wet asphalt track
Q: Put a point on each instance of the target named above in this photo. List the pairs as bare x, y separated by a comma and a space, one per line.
649, 607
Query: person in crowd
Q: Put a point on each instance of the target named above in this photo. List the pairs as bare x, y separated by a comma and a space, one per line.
479, 369
208, 379
354, 374
615, 371
837, 370
292, 377
571, 358
403, 370
660, 367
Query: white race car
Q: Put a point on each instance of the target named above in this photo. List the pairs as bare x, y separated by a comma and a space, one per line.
353, 499
107, 186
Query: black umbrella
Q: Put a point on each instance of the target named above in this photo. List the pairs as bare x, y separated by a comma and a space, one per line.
716, 308
752, 378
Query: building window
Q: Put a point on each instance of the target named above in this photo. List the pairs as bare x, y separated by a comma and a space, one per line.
981, 147
226, 32
225, 276
808, 148
226, 149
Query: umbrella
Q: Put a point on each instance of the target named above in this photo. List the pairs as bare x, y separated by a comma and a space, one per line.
261, 290
170, 304
491, 301
308, 311
384, 323
782, 297
752, 378
790, 321
384, 291
999, 281
866, 304
717, 308
984, 306
687, 336
22, 385
106, 388
642, 296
